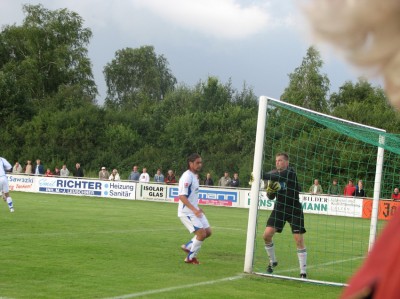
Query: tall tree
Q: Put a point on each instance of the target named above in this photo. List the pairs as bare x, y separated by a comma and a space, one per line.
308, 87
361, 102
46, 52
136, 74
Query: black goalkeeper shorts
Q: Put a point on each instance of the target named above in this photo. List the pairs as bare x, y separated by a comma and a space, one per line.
292, 214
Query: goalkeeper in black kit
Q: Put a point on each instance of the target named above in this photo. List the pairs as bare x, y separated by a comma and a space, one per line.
282, 185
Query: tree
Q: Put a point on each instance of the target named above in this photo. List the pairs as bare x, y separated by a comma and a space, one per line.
65, 136
361, 102
135, 74
46, 52
308, 87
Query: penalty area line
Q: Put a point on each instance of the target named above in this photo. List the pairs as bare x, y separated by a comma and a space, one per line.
164, 290
310, 267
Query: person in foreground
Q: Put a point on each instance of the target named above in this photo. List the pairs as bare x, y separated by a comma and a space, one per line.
283, 181
192, 217
368, 33
4, 189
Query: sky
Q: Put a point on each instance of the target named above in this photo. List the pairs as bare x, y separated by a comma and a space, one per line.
252, 42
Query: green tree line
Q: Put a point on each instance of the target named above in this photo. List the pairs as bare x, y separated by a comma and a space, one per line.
48, 107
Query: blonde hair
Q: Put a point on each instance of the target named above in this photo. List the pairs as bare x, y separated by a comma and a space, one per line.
366, 31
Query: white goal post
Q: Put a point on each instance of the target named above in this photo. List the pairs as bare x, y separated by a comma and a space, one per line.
257, 170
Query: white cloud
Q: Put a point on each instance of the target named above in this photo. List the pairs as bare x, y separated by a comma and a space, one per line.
218, 18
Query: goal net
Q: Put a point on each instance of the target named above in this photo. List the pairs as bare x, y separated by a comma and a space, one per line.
340, 229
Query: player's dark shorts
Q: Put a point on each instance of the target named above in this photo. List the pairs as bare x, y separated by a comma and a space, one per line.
292, 214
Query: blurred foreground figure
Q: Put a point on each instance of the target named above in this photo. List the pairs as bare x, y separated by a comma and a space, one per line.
368, 33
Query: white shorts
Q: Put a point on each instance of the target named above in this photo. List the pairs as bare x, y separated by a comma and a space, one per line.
193, 223
4, 184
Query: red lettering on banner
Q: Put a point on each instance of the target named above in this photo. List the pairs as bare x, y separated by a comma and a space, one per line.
214, 202
23, 186
211, 202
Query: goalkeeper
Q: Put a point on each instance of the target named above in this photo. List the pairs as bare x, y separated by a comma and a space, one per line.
282, 184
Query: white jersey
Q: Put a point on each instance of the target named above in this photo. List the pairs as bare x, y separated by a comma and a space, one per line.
4, 166
188, 186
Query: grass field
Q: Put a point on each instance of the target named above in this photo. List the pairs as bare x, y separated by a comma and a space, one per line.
57, 246
336, 247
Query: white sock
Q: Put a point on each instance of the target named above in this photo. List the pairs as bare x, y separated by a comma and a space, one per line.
9, 202
302, 255
270, 249
195, 248
189, 244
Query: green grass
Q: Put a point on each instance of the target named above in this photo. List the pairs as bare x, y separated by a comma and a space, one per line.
57, 246
336, 247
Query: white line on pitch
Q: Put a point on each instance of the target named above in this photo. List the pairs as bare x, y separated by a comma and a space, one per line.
324, 264
151, 292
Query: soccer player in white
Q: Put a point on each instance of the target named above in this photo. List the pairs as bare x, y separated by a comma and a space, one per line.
192, 217
4, 189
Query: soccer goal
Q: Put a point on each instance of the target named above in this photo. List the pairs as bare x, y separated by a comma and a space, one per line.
340, 229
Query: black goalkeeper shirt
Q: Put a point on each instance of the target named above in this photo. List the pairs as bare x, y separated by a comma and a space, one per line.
290, 188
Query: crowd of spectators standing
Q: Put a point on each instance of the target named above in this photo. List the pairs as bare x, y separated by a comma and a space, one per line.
135, 175
350, 189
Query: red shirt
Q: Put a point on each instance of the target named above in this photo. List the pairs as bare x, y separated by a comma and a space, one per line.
349, 190
380, 272
396, 196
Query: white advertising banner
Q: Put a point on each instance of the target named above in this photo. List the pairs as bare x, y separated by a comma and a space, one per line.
116, 189
22, 183
154, 192
210, 196
72, 186
314, 204
319, 204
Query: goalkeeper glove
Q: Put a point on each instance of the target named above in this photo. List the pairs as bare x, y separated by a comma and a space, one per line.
251, 179
273, 187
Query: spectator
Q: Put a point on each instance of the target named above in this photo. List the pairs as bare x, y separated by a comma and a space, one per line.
159, 177
225, 181
360, 192
334, 189
48, 172
64, 171
17, 168
103, 174
315, 188
235, 181
396, 194
28, 167
144, 177
114, 175
78, 172
134, 175
57, 171
39, 169
170, 179
349, 190
208, 181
